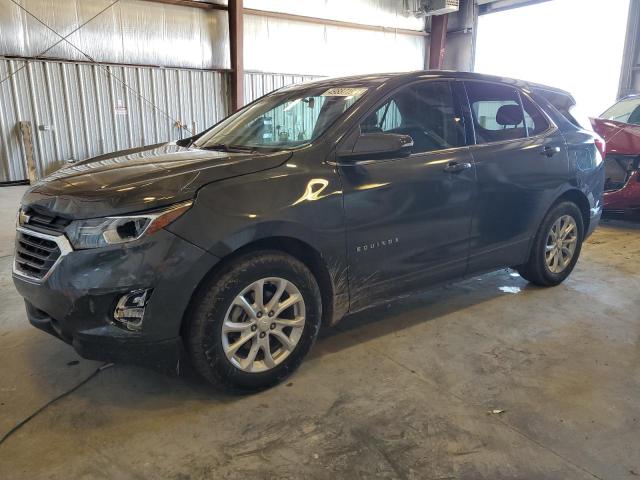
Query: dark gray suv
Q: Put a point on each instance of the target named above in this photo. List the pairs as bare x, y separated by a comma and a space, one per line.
232, 247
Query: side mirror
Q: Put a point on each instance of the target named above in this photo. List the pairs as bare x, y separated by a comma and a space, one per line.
380, 145
185, 142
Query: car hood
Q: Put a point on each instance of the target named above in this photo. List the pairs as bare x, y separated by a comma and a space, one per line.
139, 179
621, 138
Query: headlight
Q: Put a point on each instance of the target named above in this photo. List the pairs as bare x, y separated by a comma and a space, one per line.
100, 232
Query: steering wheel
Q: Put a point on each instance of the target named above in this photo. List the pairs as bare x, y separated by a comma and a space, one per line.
436, 138
437, 141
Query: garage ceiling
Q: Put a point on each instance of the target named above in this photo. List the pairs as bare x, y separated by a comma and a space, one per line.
491, 6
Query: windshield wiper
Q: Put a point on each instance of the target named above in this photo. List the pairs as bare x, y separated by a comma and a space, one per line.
229, 148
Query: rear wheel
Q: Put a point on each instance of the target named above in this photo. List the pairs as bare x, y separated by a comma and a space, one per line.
256, 321
556, 247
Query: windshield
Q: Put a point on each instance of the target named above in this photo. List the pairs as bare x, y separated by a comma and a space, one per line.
627, 111
283, 120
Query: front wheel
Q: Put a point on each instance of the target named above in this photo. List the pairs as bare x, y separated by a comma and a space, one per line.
255, 322
556, 247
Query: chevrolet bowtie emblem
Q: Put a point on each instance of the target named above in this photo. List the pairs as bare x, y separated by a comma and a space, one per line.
23, 218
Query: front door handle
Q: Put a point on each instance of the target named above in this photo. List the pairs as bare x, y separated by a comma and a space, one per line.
549, 151
456, 167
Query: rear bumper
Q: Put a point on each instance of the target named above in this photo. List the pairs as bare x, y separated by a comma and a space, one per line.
594, 221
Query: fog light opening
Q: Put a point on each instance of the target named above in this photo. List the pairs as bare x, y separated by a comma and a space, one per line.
129, 312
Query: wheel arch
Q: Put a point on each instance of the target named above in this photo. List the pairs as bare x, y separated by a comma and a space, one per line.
574, 196
580, 199
295, 247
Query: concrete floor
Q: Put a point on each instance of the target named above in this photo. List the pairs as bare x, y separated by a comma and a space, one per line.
403, 391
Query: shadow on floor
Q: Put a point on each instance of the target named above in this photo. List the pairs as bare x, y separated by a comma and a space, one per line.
147, 389
621, 221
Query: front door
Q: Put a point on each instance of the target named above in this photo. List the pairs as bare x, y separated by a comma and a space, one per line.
408, 218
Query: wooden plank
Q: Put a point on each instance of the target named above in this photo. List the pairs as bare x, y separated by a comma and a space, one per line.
27, 142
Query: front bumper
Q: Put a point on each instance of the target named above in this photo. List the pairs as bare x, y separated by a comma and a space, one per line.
108, 345
77, 299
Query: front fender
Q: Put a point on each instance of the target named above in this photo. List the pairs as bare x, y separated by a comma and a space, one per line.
286, 201
255, 232
292, 201
295, 202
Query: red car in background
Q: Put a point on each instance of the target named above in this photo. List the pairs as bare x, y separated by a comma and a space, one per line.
619, 126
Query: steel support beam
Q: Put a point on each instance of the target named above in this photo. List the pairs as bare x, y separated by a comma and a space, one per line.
630, 72
493, 6
438, 41
336, 23
192, 4
236, 34
460, 39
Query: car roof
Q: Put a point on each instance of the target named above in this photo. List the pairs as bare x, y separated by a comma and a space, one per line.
376, 79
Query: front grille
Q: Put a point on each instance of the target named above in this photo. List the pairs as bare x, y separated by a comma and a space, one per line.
46, 221
35, 256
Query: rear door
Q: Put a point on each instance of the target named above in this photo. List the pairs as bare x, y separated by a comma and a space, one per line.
521, 164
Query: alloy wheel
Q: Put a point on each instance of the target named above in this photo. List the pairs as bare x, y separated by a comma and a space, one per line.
263, 325
562, 240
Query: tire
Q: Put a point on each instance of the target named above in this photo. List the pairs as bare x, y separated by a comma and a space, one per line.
221, 303
537, 269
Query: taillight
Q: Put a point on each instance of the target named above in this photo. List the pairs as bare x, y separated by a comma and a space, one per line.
601, 145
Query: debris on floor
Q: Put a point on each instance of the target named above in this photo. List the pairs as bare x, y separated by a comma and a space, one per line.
506, 289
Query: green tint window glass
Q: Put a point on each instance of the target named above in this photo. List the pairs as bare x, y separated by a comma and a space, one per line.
486, 111
533, 117
287, 119
497, 114
425, 112
385, 119
627, 111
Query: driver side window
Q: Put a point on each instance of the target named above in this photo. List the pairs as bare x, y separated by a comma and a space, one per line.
385, 119
425, 111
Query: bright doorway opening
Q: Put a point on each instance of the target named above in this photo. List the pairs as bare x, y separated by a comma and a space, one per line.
570, 44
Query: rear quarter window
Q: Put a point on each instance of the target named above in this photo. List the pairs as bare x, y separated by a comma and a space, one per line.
579, 118
534, 119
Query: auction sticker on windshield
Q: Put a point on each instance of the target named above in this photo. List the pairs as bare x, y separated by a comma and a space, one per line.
344, 92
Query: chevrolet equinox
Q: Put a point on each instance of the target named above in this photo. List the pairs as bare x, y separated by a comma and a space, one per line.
233, 246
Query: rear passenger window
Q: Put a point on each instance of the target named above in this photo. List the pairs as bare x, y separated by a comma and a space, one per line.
566, 105
497, 114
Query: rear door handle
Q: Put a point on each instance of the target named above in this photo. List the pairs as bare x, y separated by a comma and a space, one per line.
456, 167
549, 151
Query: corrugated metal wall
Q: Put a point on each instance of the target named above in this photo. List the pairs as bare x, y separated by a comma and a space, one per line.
133, 32
146, 33
79, 110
